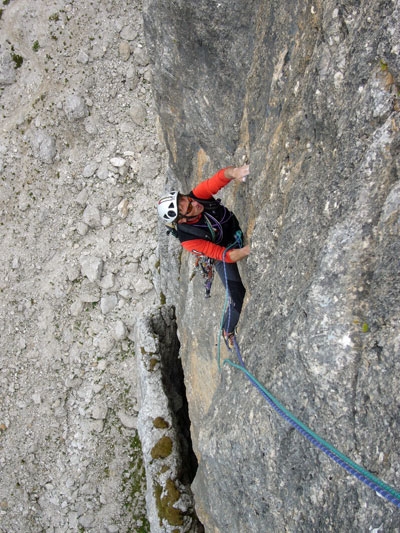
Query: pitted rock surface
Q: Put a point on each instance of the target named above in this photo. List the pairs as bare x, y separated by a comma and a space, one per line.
309, 93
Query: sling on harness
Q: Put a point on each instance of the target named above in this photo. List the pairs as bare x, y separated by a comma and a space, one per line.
204, 265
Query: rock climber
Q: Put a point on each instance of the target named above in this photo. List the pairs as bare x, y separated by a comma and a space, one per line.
205, 227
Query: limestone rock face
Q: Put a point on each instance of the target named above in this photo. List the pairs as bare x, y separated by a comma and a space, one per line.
163, 425
309, 93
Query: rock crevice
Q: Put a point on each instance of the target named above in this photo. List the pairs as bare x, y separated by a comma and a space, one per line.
164, 425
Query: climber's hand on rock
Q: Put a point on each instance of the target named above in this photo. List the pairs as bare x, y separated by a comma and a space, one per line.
238, 254
237, 173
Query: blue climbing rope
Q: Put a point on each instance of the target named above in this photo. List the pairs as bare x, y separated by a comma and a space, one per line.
356, 470
359, 472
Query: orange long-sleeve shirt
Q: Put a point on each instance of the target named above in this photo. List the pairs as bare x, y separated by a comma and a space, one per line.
205, 190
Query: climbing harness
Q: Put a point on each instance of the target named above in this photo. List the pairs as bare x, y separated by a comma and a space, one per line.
204, 265
359, 472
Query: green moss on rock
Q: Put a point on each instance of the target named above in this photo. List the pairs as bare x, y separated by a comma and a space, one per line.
165, 504
160, 423
18, 60
152, 364
134, 485
162, 448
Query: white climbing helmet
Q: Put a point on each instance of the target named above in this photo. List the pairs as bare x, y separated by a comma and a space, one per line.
168, 207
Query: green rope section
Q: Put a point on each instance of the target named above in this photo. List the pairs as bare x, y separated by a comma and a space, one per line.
319, 439
358, 471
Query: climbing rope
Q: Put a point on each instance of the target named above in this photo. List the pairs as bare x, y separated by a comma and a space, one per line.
237, 241
356, 470
359, 472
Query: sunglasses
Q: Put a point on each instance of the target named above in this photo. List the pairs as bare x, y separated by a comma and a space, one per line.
188, 210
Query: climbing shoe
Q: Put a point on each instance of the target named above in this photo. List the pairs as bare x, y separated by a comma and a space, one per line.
229, 339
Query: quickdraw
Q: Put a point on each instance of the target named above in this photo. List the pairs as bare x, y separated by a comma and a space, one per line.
205, 266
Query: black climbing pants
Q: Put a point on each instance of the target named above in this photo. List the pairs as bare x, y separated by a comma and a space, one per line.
230, 277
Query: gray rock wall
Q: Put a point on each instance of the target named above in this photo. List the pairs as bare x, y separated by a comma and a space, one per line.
163, 426
309, 92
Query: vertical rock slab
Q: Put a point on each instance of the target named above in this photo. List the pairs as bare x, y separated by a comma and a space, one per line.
163, 426
310, 94
201, 53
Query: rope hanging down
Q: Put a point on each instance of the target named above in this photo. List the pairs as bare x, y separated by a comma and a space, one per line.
379, 486
238, 241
